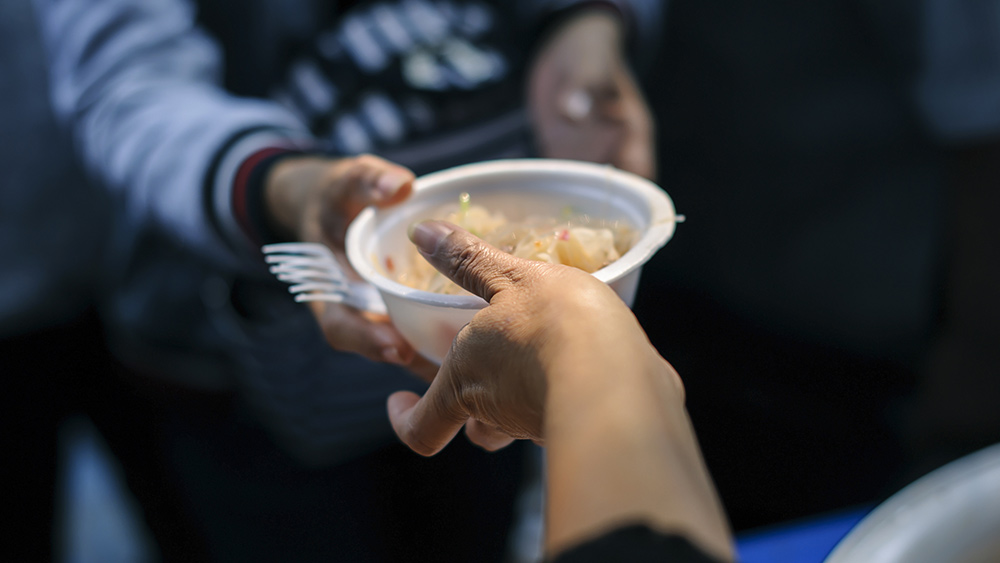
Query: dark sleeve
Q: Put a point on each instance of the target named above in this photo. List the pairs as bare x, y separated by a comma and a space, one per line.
959, 80
636, 544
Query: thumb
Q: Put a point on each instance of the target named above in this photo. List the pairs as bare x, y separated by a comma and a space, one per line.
426, 424
467, 260
358, 183
376, 181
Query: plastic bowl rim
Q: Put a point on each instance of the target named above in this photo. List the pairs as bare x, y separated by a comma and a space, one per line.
661, 226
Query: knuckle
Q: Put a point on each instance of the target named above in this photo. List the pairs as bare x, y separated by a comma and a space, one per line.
366, 158
474, 268
344, 171
355, 172
466, 259
463, 261
456, 353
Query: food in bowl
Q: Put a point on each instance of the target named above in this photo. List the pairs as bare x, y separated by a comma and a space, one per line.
377, 240
572, 239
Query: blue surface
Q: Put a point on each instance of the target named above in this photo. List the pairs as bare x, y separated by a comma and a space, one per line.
101, 522
802, 541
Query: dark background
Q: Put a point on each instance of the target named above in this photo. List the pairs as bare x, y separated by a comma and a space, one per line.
798, 302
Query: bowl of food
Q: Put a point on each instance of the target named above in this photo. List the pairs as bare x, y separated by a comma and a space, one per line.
596, 217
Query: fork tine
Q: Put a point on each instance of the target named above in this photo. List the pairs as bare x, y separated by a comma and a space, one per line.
308, 248
314, 274
317, 286
312, 279
298, 258
325, 271
328, 297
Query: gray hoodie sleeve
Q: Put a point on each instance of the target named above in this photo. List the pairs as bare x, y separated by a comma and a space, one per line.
139, 84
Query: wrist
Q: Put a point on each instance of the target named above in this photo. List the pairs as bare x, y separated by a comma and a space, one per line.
228, 188
636, 387
629, 437
623, 451
248, 197
285, 193
594, 348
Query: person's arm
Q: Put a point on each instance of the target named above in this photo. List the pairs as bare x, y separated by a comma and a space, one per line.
584, 99
621, 449
558, 358
140, 86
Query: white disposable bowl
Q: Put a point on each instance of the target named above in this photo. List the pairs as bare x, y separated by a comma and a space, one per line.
518, 188
951, 514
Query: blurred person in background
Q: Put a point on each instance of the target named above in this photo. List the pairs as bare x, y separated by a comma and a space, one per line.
54, 360
835, 287
219, 126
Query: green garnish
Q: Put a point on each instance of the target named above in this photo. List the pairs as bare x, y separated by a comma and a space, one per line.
463, 208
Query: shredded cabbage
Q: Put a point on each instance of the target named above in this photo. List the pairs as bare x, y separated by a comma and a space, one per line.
574, 240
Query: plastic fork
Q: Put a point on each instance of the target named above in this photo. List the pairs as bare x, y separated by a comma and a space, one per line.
314, 274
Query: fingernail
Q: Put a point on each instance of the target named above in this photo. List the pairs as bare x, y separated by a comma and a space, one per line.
428, 234
390, 182
391, 355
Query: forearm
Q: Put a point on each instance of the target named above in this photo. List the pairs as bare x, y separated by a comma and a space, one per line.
139, 85
621, 450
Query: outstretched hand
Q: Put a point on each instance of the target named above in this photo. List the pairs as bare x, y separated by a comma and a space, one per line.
558, 358
585, 103
543, 321
314, 199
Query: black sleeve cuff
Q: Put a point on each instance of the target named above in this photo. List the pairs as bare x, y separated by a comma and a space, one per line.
635, 543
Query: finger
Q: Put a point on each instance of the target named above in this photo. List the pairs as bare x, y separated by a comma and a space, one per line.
467, 260
376, 181
487, 437
635, 155
350, 330
636, 152
425, 424
357, 183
